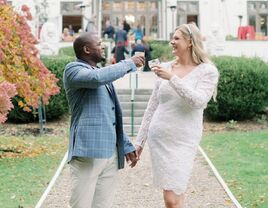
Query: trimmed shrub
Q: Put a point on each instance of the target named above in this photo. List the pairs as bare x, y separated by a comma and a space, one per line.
161, 50
67, 51
58, 104
242, 88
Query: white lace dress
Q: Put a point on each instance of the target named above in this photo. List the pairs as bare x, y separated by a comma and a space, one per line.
173, 124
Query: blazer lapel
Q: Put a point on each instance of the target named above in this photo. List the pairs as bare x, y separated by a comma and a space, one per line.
110, 90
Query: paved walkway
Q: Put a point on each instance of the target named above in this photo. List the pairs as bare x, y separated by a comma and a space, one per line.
135, 188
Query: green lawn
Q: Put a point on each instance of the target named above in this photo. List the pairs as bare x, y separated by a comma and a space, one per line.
242, 160
26, 172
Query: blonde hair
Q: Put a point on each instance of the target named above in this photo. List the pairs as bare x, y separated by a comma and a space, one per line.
191, 31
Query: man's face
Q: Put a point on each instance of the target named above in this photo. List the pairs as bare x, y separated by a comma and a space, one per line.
95, 48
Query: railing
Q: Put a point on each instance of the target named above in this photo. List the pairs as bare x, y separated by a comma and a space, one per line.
133, 86
42, 116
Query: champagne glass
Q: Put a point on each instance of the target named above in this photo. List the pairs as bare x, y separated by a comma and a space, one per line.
153, 62
143, 54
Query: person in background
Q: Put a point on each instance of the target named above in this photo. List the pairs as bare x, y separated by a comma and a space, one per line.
126, 26
71, 31
121, 35
119, 51
109, 30
97, 144
66, 35
138, 33
138, 47
148, 57
173, 119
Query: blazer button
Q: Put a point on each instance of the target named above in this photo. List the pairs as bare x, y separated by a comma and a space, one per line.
114, 123
113, 108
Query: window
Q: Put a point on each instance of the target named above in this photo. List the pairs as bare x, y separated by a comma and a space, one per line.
258, 16
106, 5
141, 5
252, 20
187, 11
143, 12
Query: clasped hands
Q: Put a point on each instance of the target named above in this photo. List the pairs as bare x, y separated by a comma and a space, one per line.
133, 157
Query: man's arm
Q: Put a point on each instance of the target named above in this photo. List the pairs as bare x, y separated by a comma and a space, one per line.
80, 76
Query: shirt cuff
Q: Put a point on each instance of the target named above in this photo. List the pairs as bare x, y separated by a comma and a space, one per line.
130, 66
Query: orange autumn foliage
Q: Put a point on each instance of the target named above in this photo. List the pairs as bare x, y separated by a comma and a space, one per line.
19, 62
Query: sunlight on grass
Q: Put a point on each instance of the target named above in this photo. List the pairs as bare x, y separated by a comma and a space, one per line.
241, 158
26, 172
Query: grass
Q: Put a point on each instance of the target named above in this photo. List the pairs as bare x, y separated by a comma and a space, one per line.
27, 164
242, 160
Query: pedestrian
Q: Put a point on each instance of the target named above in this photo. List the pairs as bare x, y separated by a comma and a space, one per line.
121, 35
138, 47
138, 34
148, 49
173, 119
109, 30
119, 51
126, 26
97, 144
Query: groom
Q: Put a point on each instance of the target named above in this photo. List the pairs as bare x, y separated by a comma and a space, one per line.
97, 142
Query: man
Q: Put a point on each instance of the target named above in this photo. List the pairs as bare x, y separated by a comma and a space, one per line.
121, 35
97, 142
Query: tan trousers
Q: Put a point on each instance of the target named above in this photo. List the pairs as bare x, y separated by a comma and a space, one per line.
93, 182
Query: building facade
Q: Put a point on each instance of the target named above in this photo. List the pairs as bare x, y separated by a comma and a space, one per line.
158, 18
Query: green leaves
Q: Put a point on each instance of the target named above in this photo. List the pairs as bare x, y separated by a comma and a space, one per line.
242, 89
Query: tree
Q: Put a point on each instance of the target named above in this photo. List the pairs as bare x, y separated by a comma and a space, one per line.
21, 71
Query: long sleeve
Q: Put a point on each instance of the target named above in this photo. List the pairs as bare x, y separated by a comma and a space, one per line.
197, 97
79, 75
128, 147
149, 112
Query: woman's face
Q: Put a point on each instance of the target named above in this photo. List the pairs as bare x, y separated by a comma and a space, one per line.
179, 44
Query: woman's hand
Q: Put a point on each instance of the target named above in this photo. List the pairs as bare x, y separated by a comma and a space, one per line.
138, 150
162, 72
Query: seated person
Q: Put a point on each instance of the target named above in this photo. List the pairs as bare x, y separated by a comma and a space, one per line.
66, 35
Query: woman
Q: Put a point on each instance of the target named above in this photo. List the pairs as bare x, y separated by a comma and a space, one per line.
173, 119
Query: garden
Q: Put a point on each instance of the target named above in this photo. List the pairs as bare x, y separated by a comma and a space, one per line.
236, 126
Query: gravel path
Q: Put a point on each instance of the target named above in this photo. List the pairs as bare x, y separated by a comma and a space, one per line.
135, 188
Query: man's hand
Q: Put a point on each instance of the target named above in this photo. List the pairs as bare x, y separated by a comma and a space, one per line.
139, 60
132, 158
138, 150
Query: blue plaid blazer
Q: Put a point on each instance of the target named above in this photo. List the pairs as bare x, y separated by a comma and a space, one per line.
96, 129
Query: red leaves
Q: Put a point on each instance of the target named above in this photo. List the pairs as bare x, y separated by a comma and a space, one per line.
25, 8
7, 91
3, 2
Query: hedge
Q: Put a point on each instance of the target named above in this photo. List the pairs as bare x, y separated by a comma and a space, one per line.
161, 50
242, 88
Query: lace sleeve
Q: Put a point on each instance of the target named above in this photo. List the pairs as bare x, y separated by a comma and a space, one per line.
149, 112
197, 97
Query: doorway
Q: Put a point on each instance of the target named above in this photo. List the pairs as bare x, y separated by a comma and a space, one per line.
75, 21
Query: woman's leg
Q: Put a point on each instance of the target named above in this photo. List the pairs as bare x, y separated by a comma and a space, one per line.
172, 200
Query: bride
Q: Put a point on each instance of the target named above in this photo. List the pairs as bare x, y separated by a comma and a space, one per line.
173, 120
